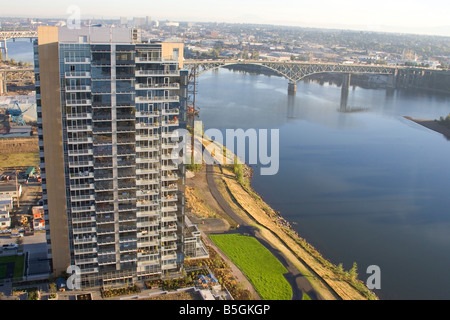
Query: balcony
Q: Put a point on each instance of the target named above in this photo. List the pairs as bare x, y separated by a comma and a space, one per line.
169, 198
82, 209
169, 167
75, 60
164, 86
169, 266
171, 123
78, 89
103, 231
107, 241
128, 239
85, 251
171, 237
79, 128
85, 261
83, 220
171, 112
147, 148
89, 271
77, 74
88, 186
172, 218
105, 220
150, 99
147, 214
143, 193
79, 116
147, 160
84, 230
128, 229
105, 252
151, 137
147, 171
145, 182
146, 203
172, 256
106, 261
150, 243
153, 73
145, 224
82, 198
171, 187
147, 114
81, 152
78, 102
80, 140
170, 177
154, 60
170, 227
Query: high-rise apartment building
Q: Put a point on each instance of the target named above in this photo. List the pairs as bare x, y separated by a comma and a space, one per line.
112, 188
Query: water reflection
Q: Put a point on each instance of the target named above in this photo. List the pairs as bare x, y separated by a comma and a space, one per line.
370, 187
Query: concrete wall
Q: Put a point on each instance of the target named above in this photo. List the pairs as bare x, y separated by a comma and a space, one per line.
53, 147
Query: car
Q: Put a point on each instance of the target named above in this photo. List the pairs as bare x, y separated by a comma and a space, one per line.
10, 246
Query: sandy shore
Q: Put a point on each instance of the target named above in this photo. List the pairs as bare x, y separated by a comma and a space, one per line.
432, 125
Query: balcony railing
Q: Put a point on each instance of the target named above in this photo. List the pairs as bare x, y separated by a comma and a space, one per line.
146, 73
144, 86
158, 99
77, 74
78, 88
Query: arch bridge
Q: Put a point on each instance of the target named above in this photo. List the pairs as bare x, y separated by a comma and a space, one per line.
291, 70
6, 35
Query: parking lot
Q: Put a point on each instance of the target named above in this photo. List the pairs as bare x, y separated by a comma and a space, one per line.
36, 247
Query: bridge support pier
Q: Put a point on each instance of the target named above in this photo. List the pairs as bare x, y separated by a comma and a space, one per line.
344, 91
292, 88
5, 50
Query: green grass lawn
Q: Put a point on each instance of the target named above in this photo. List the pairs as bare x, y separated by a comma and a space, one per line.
2, 272
260, 266
18, 264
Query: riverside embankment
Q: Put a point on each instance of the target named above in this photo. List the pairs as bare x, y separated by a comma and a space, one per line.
309, 271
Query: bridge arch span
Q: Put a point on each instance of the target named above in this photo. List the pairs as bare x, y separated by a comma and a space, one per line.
292, 71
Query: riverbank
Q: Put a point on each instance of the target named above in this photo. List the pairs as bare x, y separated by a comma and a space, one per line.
329, 281
432, 125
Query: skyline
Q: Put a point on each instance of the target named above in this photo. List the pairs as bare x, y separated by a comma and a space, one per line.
401, 16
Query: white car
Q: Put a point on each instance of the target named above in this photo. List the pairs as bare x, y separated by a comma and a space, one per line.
10, 246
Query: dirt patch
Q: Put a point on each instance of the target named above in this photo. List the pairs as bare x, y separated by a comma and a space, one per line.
203, 205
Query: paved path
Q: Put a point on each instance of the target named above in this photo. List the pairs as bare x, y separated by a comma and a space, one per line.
298, 282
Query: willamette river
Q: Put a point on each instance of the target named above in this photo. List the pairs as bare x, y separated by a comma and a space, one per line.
368, 187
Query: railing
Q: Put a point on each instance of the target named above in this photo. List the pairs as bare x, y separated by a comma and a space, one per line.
157, 98
143, 86
77, 74
77, 60
157, 72
78, 88
73, 116
159, 59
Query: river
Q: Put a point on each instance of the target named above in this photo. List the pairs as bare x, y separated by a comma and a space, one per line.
368, 187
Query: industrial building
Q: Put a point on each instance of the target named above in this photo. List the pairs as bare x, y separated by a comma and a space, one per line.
113, 190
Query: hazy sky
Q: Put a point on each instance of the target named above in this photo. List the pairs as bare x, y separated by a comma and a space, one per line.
430, 16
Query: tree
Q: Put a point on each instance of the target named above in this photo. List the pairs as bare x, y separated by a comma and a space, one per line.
353, 271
